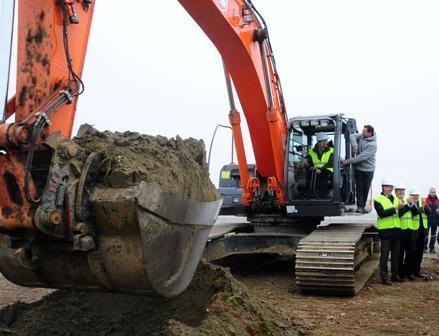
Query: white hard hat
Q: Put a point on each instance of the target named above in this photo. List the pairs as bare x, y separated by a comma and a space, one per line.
321, 136
414, 191
400, 185
387, 181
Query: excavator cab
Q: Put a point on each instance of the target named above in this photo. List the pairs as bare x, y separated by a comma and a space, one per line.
311, 192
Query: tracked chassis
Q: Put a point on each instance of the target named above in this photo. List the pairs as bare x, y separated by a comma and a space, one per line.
336, 260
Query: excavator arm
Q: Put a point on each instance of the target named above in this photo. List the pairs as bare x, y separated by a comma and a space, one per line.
59, 228
241, 37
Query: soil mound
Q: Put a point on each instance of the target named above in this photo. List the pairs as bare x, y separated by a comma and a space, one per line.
214, 304
176, 165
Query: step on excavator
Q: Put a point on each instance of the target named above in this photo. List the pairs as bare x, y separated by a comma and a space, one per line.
61, 229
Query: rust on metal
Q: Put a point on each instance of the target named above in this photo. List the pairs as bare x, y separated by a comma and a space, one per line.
15, 211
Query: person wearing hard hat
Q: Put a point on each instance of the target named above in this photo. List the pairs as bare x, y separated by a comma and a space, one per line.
407, 241
321, 161
321, 156
420, 226
389, 227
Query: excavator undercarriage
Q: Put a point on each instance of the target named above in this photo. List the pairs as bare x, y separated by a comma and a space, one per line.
334, 258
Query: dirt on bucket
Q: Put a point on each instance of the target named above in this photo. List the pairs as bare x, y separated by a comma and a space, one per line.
214, 304
176, 165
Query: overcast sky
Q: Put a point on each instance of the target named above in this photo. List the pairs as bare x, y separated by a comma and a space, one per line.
151, 69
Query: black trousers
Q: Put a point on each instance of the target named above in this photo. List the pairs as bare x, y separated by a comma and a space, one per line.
392, 247
318, 185
433, 229
407, 253
362, 185
419, 249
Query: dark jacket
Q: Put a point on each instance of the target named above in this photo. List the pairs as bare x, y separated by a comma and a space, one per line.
433, 203
391, 234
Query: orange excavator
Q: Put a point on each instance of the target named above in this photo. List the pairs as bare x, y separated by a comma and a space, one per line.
58, 229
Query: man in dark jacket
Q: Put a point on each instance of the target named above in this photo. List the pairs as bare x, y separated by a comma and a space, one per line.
433, 220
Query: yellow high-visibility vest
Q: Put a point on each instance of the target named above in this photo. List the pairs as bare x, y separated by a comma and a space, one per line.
319, 163
390, 222
406, 219
416, 219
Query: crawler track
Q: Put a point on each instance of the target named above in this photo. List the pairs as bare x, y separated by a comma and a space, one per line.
336, 260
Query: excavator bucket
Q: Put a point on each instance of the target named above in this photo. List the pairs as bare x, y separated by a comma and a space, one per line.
139, 238
148, 240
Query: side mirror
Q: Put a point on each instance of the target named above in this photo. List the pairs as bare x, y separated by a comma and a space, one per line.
352, 126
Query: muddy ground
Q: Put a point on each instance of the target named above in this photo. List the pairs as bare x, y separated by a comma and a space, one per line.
214, 304
259, 302
409, 308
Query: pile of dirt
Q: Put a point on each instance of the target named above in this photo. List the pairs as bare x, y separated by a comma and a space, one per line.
214, 304
176, 165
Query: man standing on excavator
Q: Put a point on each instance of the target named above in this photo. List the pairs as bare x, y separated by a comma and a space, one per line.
365, 146
389, 229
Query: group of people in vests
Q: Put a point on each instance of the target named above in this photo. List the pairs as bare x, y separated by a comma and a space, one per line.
402, 225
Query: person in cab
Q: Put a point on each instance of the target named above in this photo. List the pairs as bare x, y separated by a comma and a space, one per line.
321, 166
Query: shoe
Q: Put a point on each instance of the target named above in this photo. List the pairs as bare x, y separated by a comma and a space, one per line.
432, 250
421, 276
425, 250
386, 282
397, 279
361, 210
411, 277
